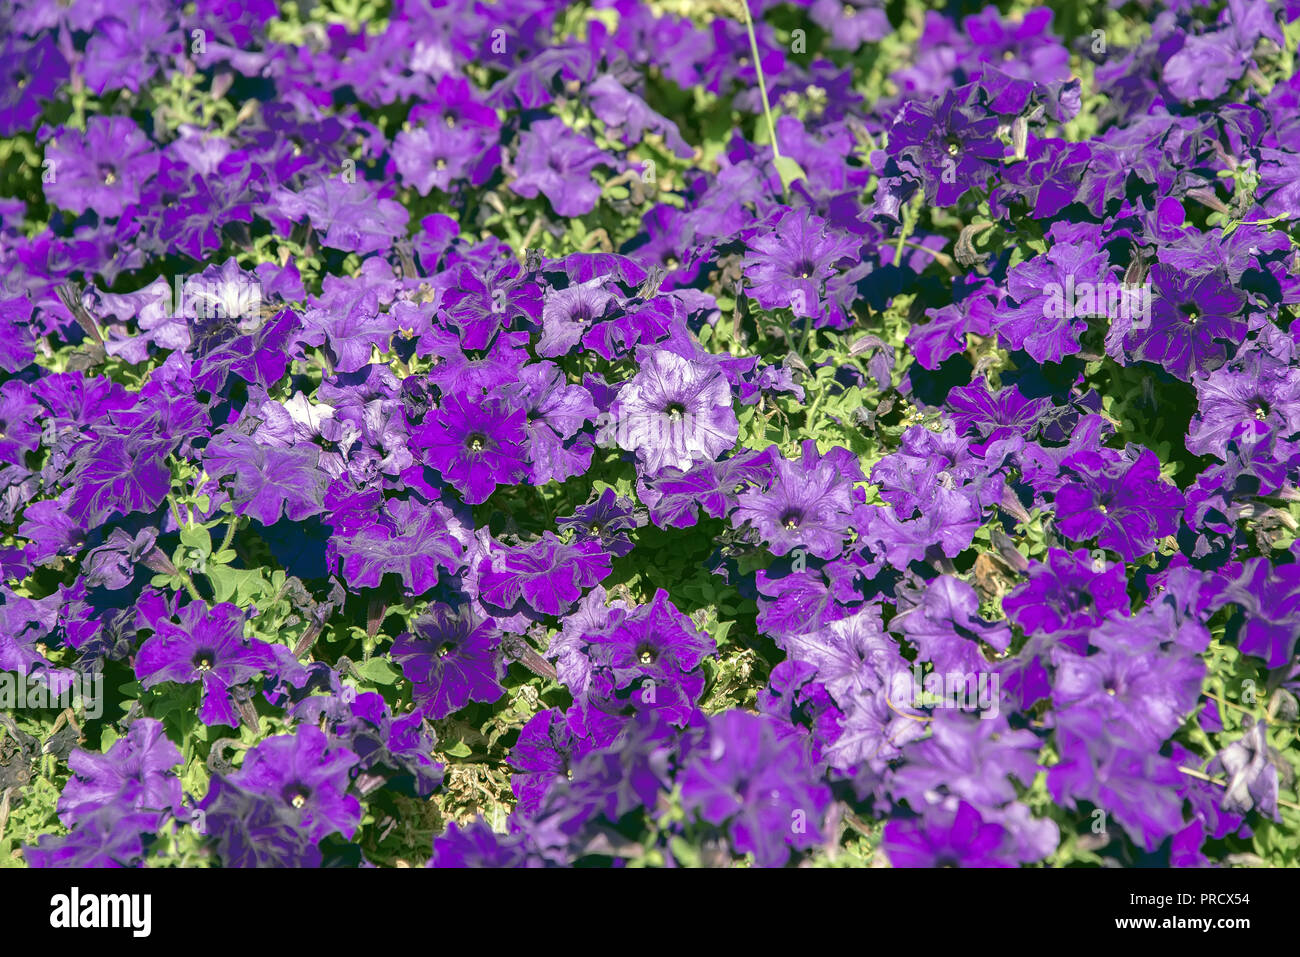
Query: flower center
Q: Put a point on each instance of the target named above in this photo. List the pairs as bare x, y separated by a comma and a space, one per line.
450, 121
203, 659
440, 163
645, 654
108, 174
594, 528
476, 441
445, 649
675, 410
1261, 410
791, 519
1190, 311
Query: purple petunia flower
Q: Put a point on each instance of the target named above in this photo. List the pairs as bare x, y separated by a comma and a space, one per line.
476, 445
607, 520
558, 162
556, 412
1067, 596
760, 786
1120, 500
208, 646
102, 170
808, 505
451, 658
253, 829
1252, 773
674, 412
306, 774
1196, 321
548, 575
787, 267
32, 72
106, 838
135, 773
403, 536
946, 839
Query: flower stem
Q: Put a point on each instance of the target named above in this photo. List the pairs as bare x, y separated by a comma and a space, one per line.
230, 533
762, 84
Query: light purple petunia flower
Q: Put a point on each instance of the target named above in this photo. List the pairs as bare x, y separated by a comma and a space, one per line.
674, 412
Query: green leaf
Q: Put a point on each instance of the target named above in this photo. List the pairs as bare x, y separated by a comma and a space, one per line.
379, 671
459, 750
196, 536
227, 583
789, 171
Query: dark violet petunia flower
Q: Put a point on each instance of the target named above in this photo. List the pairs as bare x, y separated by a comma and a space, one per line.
477, 845
1131, 689
252, 829
569, 312
548, 575
32, 72
1067, 596
547, 750
851, 24
135, 773
808, 505
435, 156
1121, 501
647, 659
102, 170
388, 749
973, 758
942, 838
118, 473
850, 655
944, 336
267, 482
304, 773
762, 787
556, 413
653, 639
949, 146
558, 162
1054, 295
208, 646
1268, 597
977, 410
477, 444
674, 412
20, 432
352, 216
1139, 788
1196, 322
607, 520
629, 116
451, 658
1261, 388
405, 536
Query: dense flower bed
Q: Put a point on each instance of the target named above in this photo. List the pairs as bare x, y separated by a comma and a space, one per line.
630, 433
